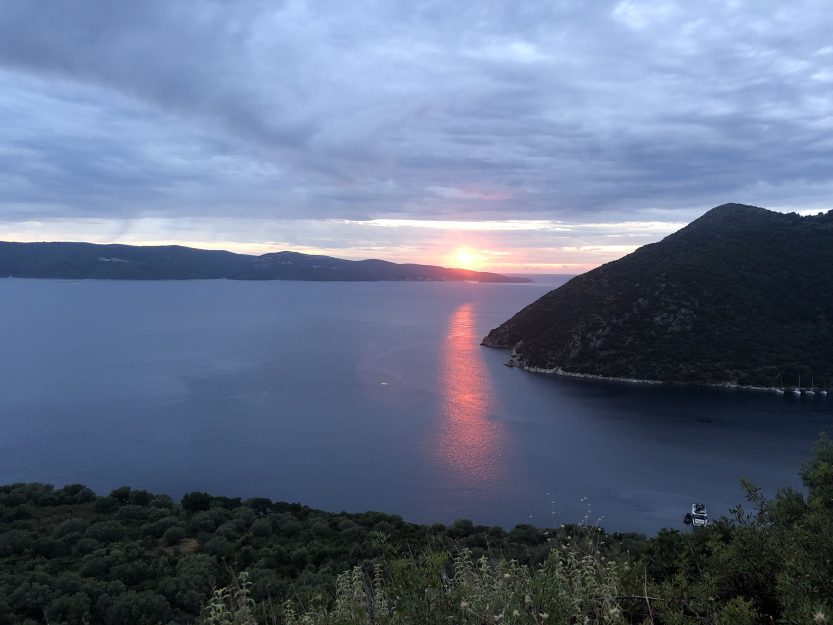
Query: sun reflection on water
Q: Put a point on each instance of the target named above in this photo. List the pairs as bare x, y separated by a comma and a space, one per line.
470, 443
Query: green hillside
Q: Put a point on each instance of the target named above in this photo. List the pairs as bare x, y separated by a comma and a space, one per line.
740, 296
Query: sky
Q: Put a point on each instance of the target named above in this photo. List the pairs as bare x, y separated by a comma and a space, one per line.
539, 136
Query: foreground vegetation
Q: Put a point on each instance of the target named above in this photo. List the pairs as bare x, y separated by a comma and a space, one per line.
69, 556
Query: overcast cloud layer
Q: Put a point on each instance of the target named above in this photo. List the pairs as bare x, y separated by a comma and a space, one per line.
352, 127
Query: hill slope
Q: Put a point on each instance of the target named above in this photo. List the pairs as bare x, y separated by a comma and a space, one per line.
173, 262
740, 295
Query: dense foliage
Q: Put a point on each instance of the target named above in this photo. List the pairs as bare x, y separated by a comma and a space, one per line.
174, 262
742, 295
771, 565
131, 557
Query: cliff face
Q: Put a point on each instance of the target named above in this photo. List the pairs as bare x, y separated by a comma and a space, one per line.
740, 295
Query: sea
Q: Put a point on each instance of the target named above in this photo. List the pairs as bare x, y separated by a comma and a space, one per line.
364, 396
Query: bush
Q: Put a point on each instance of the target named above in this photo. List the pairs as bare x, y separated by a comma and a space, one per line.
139, 608
195, 502
174, 535
70, 526
261, 528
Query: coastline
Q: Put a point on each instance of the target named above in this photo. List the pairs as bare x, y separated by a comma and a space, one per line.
604, 378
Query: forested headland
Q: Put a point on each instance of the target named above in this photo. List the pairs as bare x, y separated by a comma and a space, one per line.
132, 557
740, 296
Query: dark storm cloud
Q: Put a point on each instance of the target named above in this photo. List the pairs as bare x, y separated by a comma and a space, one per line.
467, 110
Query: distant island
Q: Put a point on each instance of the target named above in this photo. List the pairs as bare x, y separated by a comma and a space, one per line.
173, 262
741, 296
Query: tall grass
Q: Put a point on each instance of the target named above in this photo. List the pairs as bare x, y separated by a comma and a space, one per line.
570, 586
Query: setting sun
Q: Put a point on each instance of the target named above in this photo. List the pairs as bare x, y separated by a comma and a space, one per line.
466, 258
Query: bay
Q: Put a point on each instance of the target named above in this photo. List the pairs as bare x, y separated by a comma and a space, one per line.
363, 396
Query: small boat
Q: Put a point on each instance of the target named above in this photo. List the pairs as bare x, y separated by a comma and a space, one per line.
810, 392
823, 392
698, 517
779, 389
797, 390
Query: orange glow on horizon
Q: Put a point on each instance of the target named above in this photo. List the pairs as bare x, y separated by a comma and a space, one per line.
502, 246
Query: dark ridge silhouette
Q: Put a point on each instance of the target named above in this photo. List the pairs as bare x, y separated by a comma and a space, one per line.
742, 295
174, 262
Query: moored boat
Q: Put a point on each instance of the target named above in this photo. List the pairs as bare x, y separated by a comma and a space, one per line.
797, 389
698, 517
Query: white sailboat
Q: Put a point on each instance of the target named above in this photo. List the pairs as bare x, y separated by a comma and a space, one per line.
810, 392
797, 390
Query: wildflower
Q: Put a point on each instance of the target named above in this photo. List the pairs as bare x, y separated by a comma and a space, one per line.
498, 616
527, 599
464, 604
544, 616
819, 617
515, 613
506, 576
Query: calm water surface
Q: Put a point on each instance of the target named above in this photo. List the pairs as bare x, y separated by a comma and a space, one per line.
366, 396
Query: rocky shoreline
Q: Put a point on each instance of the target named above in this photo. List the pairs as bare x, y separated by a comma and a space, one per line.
512, 362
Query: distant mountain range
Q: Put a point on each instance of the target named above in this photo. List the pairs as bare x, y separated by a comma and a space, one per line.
173, 262
742, 295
